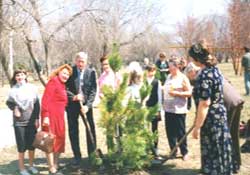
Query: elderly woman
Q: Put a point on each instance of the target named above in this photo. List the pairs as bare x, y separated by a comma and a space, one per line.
211, 117
176, 90
54, 101
191, 71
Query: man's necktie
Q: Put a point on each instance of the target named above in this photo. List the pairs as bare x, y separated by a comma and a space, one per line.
80, 82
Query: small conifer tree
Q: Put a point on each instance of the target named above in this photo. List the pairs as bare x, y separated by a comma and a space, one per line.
127, 126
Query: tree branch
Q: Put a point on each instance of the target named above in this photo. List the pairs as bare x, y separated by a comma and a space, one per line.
34, 59
71, 19
134, 37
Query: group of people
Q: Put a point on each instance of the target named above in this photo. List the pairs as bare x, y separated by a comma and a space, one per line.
216, 128
74, 89
66, 89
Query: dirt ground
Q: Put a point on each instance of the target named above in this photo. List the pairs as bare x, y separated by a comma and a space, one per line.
8, 158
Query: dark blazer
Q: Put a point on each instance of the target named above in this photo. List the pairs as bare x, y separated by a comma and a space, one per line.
153, 98
89, 86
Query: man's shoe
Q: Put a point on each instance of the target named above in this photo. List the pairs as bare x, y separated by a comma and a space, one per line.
156, 162
159, 158
76, 163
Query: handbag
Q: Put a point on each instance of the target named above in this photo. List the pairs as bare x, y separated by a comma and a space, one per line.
44, 141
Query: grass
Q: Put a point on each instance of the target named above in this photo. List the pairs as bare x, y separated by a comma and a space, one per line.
8, 158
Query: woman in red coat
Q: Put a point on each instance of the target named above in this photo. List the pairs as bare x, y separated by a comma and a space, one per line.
54, 101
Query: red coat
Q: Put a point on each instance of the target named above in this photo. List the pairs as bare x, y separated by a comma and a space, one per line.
54, 101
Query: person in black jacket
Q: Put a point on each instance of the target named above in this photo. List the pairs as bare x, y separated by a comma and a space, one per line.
81, 88
155, 98
162, 66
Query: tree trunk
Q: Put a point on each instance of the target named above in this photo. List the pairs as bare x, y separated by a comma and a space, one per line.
2, 54
47, 59
35, 61
11, 62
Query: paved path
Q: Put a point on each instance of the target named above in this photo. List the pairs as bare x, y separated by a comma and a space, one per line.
7, 136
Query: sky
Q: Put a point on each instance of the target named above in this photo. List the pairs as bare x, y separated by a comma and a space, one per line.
176, 10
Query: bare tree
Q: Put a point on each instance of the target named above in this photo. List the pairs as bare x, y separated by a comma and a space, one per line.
2, 52
239, 15
59, 29
34, 24
189, 31
122, 22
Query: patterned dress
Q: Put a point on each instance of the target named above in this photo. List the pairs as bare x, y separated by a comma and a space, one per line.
216, 149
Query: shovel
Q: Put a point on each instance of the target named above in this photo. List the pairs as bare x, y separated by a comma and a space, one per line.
98, 152
177, 145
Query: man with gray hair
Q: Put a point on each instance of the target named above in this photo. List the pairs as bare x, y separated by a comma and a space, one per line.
81, 88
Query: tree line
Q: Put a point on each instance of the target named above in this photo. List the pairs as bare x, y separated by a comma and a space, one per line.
40, 34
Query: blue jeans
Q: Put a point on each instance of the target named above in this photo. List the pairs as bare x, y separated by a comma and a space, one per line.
247, 82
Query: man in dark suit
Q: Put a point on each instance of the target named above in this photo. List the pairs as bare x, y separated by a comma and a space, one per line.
81, 87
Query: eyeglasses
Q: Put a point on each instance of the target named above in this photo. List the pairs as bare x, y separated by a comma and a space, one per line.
105, 64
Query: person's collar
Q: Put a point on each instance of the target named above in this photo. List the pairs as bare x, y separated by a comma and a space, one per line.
19, 84
80, 70
150, 79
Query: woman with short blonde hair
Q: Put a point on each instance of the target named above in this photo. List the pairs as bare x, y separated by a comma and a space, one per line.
57, 70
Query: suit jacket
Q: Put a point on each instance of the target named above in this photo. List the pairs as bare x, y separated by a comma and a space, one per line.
232, 97
88, 88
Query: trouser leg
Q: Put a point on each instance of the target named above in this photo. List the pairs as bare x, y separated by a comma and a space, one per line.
73, 128
154, 130
181, 131
91, 146
247, 82
170, 127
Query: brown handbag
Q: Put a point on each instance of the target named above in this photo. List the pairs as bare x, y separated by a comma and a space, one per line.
44, 141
